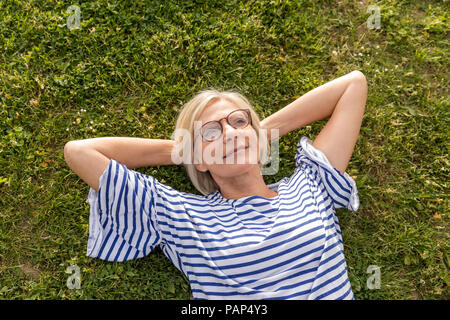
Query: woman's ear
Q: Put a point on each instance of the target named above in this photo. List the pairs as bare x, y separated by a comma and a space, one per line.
198, 162
201, 167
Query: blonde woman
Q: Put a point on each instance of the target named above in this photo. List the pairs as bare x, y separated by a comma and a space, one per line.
240, 239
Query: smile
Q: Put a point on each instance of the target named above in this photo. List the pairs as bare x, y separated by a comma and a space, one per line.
235, 151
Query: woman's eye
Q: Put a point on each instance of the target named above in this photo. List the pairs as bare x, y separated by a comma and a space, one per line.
240, 121
211, 133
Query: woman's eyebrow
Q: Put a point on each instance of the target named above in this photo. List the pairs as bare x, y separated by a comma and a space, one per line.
224, 116
215, 119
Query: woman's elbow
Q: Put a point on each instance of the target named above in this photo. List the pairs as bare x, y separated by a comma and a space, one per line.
360, 77
70, 148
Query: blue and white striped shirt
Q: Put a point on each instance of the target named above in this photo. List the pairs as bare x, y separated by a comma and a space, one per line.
286, 247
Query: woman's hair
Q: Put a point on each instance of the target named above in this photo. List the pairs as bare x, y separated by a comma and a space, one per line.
190, 112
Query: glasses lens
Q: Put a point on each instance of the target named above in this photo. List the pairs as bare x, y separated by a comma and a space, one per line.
239, 119
211, 131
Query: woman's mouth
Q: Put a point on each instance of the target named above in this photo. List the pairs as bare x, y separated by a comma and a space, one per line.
235, 151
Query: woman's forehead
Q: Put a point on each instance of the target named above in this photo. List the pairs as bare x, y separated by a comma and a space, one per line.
217, 111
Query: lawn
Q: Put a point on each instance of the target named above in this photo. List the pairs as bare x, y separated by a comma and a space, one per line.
131, 65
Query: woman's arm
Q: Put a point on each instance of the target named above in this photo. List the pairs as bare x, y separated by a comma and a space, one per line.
89, 158
344, 100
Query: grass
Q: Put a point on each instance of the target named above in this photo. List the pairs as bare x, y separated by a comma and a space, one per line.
132, 64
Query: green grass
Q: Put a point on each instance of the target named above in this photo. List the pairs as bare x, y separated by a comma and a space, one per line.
131, 66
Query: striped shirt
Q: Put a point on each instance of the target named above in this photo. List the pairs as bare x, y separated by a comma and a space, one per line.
286, 247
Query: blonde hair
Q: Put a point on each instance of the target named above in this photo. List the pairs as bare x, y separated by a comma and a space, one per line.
191, 111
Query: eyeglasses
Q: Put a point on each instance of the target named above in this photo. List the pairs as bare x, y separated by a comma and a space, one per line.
238, 119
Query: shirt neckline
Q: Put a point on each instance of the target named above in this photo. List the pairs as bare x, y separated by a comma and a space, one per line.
273, 186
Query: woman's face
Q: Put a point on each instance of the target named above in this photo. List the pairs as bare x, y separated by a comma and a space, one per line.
218, 156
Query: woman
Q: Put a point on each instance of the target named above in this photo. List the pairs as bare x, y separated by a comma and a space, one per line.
241, 239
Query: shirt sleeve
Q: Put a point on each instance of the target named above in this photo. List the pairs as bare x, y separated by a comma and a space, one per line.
122, 220
340, 187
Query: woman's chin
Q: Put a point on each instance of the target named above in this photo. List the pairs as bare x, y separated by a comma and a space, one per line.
232, 170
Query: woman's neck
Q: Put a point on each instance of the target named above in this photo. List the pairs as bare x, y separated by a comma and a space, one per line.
250, 183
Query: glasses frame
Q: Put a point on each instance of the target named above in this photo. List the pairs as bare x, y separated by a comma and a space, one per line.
227, 118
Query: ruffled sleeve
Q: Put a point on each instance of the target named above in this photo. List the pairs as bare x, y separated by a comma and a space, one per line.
122, 220
340, 187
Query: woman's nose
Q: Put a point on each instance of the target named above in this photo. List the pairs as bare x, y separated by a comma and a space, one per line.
227, 130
